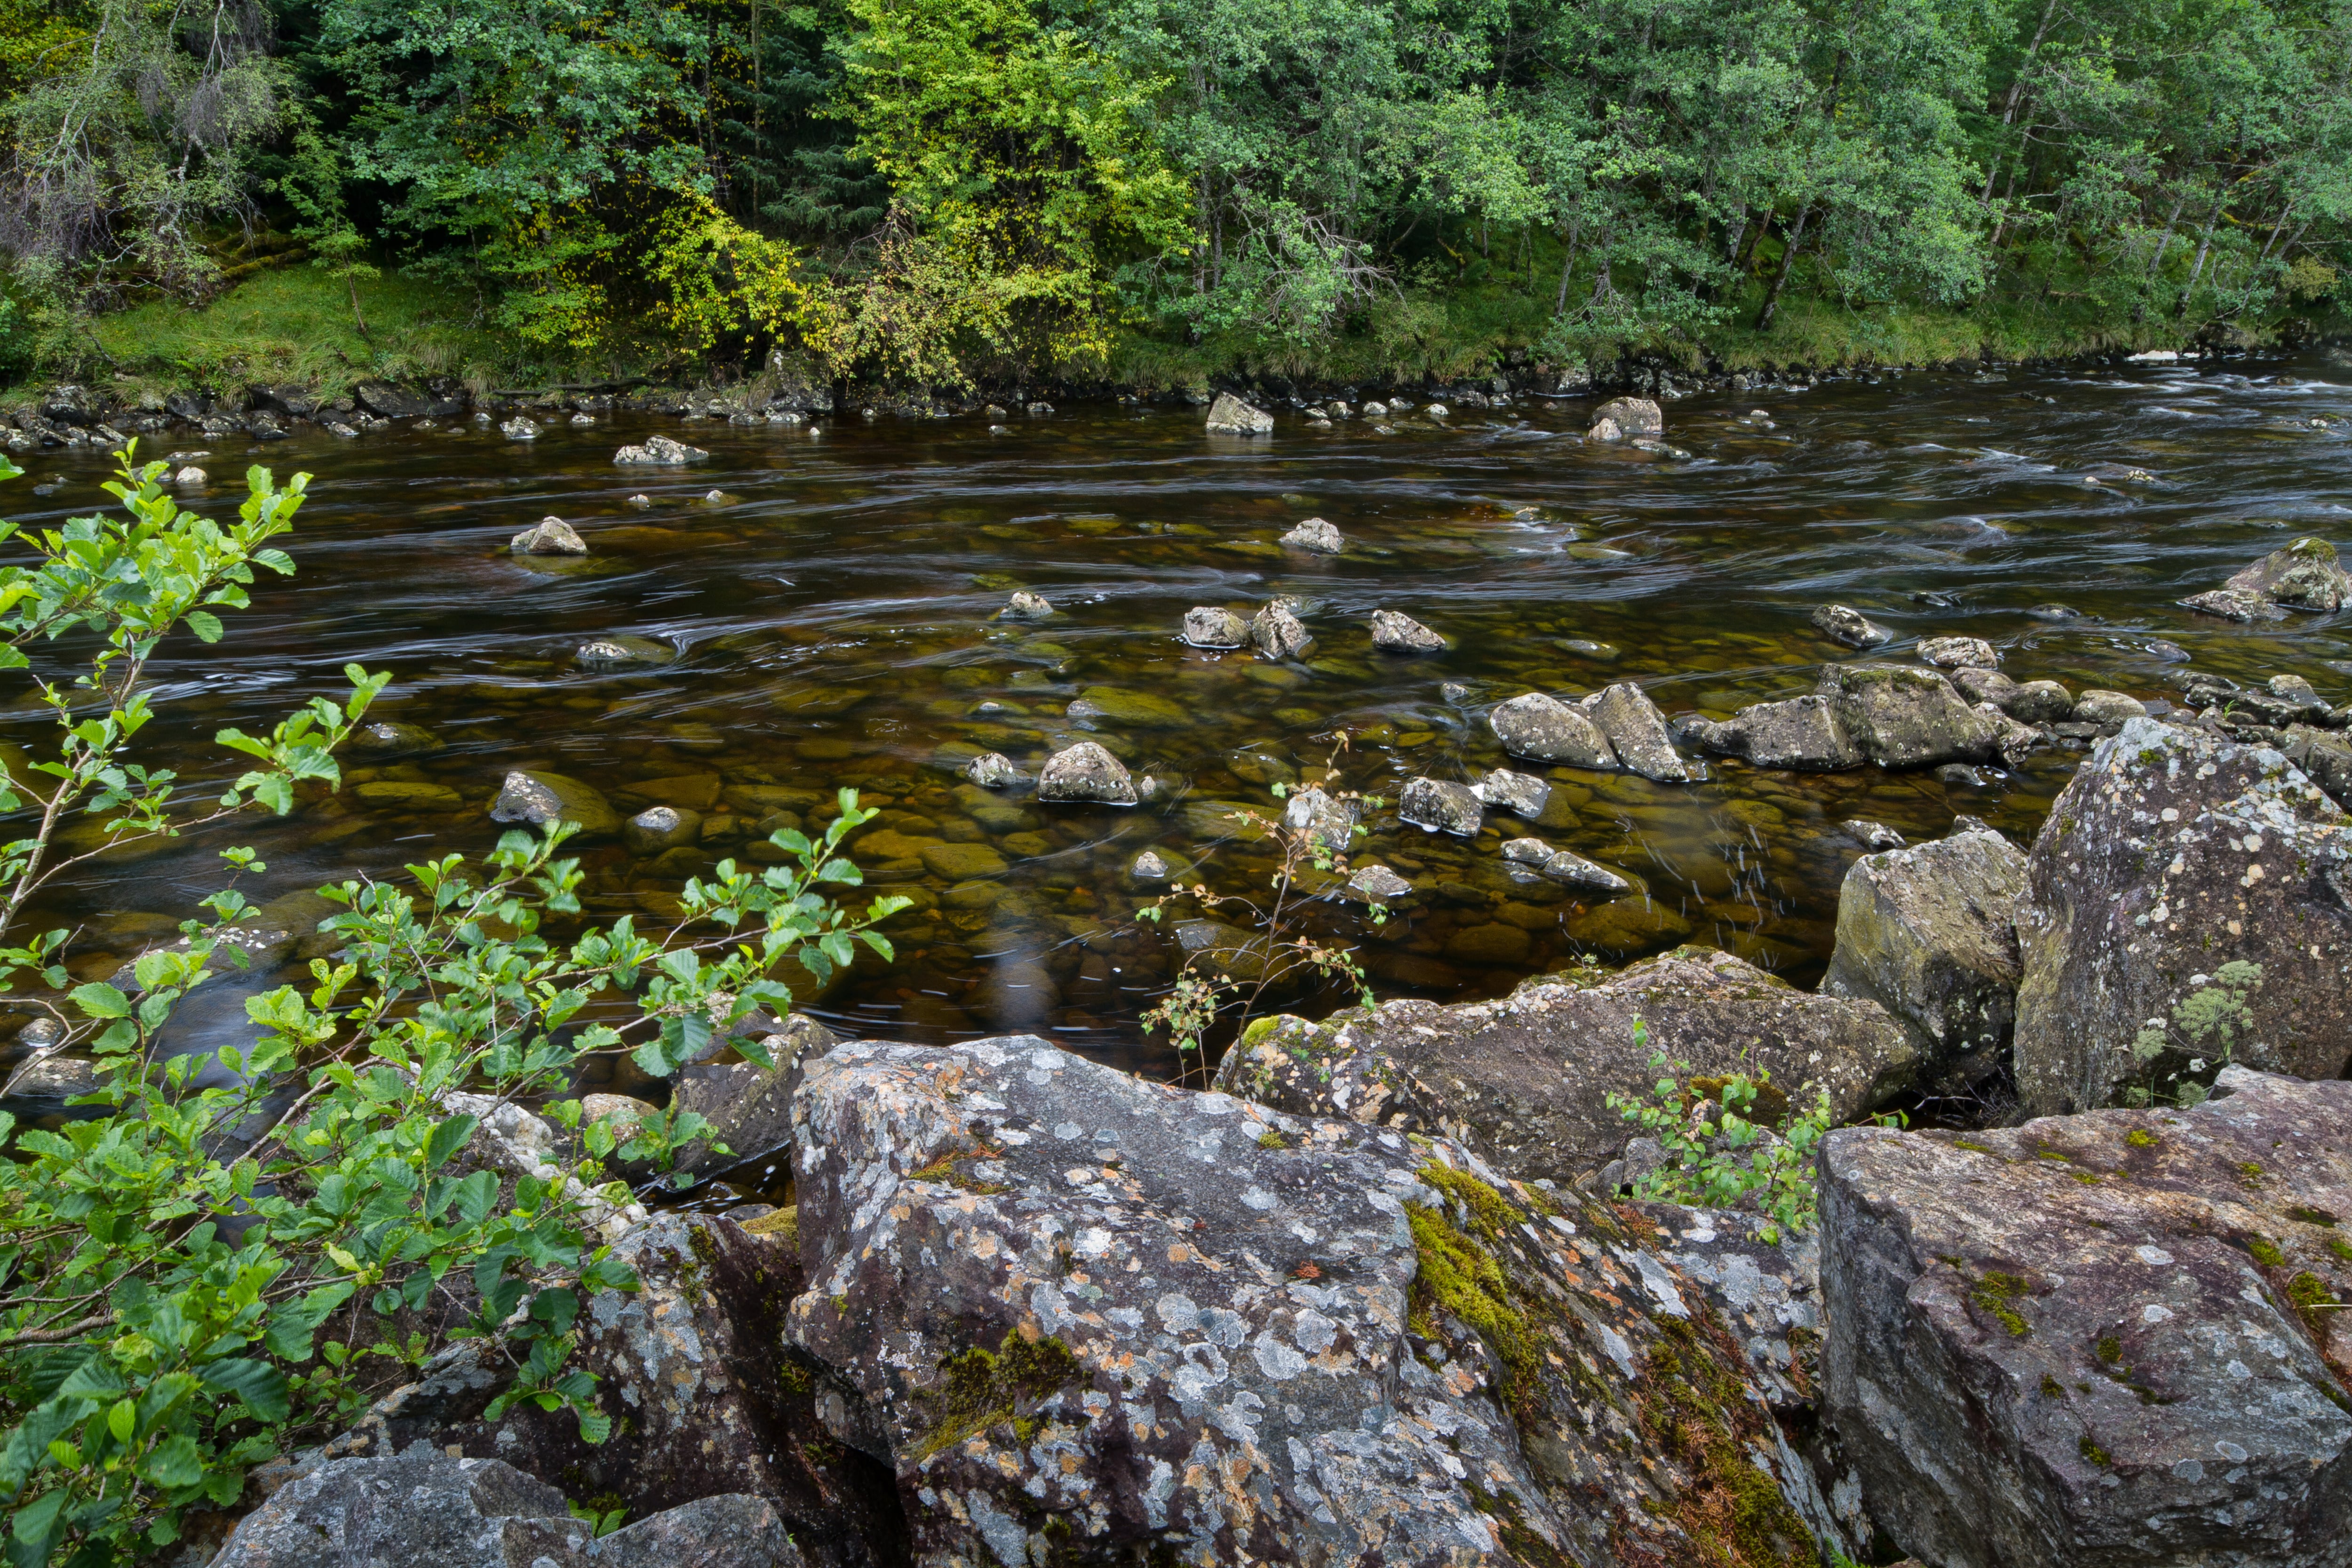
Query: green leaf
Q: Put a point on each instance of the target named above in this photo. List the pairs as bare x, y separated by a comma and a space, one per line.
99, 1000
206, 625
175, 1462
447, 1138
261, 1386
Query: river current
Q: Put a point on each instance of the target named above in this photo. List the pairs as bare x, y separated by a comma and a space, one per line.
830, 593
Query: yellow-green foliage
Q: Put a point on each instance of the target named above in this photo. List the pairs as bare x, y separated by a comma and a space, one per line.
979, 1388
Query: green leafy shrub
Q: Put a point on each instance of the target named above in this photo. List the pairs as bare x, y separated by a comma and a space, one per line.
242, 1247
2179, 1054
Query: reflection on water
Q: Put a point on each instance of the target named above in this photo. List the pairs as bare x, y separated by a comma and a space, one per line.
829, 593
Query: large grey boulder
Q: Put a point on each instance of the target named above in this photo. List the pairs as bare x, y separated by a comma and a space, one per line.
1229, 416
748, 1106
535, 797
1930, 934
2324, 756
2306, 574
423, 1509
1086, 772
1210, 626
1525, 1082
1441, 805
1637, 732
2099, 1340
2172, 852
1084, 1318
1633, 416
1906, 718
1802, 734
1549, 730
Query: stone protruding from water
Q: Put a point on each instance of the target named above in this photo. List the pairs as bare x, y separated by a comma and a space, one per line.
623, 649
1930, 934
1637, 732
1521, 795
2304, 576
549, 536
1570, 869
1905, 718
1207, 626
993, 770
1441, 807
1276, 633
392, 738
2229, 605
1229, 416
660, 450
2102, 1338
520, 429
1841, 623
1547, 730
1378, 884
1802, 734
661, 828
1086, 772
1396, 632
1024, 605
2172, 856
1959, 653
1317, 535
1631, 416
535, 798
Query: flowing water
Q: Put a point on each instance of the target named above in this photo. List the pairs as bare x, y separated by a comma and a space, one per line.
832, 608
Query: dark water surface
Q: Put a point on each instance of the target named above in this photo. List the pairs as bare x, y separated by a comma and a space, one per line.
833, 614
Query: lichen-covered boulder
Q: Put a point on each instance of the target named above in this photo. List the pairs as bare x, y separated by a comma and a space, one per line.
1930, 934
705, 1398
1441, 805
1393, 631
2172, 853
549, 536
1317, 535
1843, 623
2230, 604
1211, 625
1802, 734
1905, 717
1275, 631
1636, 732
1086, 772
2306, 574
1633, 415
660, 450
1525, 1082
2324, 756
1550, 730
1957, 653
1229, 416
1086, 1318
2100, 1340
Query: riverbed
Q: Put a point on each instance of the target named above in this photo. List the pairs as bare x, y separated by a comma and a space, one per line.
829, 592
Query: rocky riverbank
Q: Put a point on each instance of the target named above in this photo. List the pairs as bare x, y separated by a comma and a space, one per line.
1381, 1293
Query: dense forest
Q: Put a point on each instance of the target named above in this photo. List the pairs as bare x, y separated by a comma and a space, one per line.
927, 190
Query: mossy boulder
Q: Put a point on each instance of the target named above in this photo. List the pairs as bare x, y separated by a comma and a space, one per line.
2306, 574
1900, 717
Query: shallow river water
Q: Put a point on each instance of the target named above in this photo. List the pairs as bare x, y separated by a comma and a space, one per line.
832, 610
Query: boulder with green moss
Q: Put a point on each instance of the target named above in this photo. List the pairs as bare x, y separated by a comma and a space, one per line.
2107, 1340
2306, 574
1526, 1081
1086, 1318
1900, 717
2187, 902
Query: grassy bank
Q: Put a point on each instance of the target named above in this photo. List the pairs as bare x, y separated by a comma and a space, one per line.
297, 325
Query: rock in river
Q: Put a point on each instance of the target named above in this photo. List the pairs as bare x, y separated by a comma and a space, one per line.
1229, 416
1549, 730
1636, 732
1315, 535
1525, 1081
1930, 935
548, 536
1026, 606
2304, 574
2232, 605
1633, 416
1206, 626
661, 828
1276, 633
537, 798
1087, 773
1905, 717
620, 652
1090, 1319
1959, 653
660, 449
1395, 632
1441, 807
2173, 852
1521, 795
390, 738
2103, 1339
993, 770
1802, 734
1840, 623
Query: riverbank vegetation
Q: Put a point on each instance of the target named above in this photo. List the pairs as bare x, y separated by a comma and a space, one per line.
1158, 191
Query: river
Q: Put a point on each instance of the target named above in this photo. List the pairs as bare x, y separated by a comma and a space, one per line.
831, 605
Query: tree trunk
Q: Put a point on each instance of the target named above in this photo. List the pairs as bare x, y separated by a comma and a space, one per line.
1788, 265
353, 284
2204, 249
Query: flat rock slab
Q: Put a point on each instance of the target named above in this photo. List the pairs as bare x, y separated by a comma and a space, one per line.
1524, 1082
2100, 1340
1088, 1318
